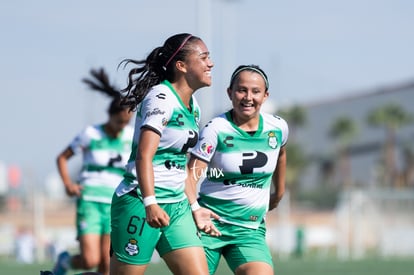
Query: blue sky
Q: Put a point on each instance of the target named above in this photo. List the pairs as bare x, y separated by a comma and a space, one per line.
311, 50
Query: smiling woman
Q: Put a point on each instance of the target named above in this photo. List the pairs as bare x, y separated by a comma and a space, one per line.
248, 148
342, 38
150, 209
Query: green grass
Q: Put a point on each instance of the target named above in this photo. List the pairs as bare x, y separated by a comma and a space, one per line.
283, 267
360, 267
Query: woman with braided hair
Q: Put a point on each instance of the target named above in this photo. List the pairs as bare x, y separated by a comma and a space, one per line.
150, 210
105, 149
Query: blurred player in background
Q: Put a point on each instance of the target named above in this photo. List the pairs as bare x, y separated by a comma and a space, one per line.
105, 149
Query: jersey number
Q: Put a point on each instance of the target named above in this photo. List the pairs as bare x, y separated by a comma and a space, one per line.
134, 224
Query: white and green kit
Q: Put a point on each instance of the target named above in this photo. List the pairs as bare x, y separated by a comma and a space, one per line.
238, 179
133, 240
163, 111
104, 160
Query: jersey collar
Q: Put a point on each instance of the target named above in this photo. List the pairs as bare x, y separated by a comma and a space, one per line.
169, 85
243, 132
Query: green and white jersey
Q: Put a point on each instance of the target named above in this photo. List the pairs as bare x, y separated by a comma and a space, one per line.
104, 160
163, 111
238, 179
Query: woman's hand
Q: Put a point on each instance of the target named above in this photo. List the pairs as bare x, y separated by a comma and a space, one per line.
202, 218
73, 189
156, 216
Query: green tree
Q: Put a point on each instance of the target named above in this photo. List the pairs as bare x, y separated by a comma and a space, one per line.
296, 159
343, 130
390, 117
408, 170
296, 118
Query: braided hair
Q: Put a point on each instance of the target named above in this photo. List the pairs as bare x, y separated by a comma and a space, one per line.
100, 82
158, 66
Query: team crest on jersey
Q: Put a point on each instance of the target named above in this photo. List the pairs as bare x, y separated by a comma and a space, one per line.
196, 116
131, 247
272, 141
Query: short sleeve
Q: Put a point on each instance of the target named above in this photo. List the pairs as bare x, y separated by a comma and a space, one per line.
156, 110
207, 142
80, 142
282, 124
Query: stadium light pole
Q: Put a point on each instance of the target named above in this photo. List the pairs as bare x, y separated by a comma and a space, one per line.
229, 33
215, 102
203, 12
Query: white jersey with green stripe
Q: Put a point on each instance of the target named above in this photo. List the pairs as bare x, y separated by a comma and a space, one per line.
163, 111
104, 160
240, 166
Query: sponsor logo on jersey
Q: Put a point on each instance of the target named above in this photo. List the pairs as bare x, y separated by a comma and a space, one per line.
272, 141
250, 184
155, 111
178, 120
191, 141
161, 96
169, 164
227, 141
164, 121
115, 159
132, 247
206, 148
251, 160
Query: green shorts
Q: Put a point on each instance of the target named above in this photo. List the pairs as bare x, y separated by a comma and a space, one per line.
93, 217
133, 241
238, 245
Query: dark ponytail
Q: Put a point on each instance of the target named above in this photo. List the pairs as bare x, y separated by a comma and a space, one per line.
100, 82
157, 67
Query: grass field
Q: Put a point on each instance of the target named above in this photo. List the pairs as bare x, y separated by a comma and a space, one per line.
282, 267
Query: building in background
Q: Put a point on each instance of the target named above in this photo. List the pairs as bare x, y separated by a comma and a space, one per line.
369, 147
352, 189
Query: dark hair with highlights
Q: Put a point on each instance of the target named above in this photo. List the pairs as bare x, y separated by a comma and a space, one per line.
158, 66
100, 82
